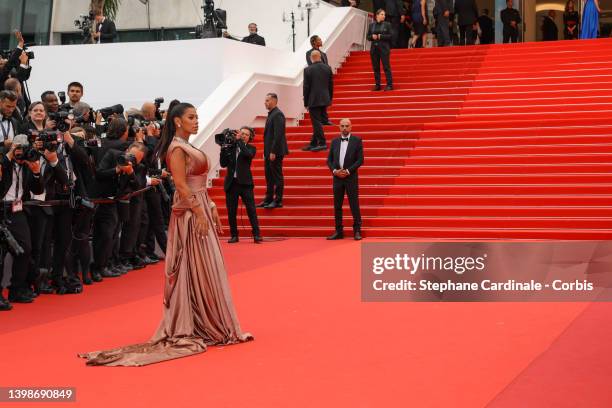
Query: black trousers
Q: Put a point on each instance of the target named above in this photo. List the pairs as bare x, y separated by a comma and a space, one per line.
395, 30
130, 229
18, 226
248, 199
80, 250
380, 54
510, 35
39, 221
442, 31
318, 116
350, 187
152, 226
275, 182
466, 35
62, 227
105, 224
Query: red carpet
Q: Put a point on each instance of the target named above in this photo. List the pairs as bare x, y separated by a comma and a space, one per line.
317, 344
484, 142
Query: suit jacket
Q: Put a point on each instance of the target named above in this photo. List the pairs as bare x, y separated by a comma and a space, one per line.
318, 85
275, 140
353, 158
486, 26
441, 6
550, 32
254, 39
384, 29
393, 8
323, 56
508, 15
241, 164
17, 125
467, 12
111, 184
31, 184
107, 30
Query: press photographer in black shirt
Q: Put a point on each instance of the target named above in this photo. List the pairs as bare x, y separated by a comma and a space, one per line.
237, 157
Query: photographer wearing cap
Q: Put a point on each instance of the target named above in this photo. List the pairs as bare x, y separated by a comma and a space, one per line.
20, 177
237, 157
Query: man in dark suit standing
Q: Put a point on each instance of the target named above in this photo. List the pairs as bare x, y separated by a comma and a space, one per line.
237, 157
252, 38
393, 10
344, 159
441, 13
105, 29
318, 94
467, 15
550, 32
511, 18
275, 149
316, 43
487, 31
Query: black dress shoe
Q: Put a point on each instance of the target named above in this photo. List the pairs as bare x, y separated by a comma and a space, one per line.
152, 257
149, 261
86, 279
335, 235
19, 297
138, 262
329, 123
376, 88
232, 240
5, 306
263, 204
308, 148
107, 273
258, 239
358, 236
96, 277
274, 204
389, 88
319, 148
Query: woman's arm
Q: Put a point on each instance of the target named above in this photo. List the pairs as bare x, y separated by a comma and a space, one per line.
597, 5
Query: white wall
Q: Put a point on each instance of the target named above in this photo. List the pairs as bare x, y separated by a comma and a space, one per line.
267, 14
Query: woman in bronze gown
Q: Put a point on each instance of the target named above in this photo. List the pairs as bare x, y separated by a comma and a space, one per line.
197, 305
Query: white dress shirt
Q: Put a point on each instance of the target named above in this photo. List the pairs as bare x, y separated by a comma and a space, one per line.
343, 146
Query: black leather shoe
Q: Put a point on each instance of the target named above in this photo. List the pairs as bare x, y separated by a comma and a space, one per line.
5, 306
376, 88
329, 123
86, 279
358, 236
308, 148
138, 262
336, 235
258, 239
152, 257
319, 148
19, 297
232, 240
263, 204
96, 277
149, 261
274, 204
389, 88
107, 273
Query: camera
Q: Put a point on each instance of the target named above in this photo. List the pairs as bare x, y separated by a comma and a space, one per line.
157, 173
49, 139
214, 21
59, 118
158, 112
226, 138
125, 159
85, 24
27, 153
62, 96
8, 241
111, 110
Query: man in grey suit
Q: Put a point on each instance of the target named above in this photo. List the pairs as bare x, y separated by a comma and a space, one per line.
318, 94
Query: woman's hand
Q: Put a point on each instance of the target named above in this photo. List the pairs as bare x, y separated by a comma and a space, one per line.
201, 223
217, 221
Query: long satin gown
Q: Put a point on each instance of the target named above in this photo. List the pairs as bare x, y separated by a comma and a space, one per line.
198, 309
590, 21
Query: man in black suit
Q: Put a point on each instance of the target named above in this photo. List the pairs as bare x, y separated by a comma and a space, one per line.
393, 10
379, 33
20, 178
467, 15
10, 124
550, 32
318, 94
275, 149
441, 13
239, 181
105, 29
344, 159
486, 28
316, 43
511, 18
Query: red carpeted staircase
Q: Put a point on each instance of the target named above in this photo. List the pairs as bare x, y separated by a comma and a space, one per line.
483, 142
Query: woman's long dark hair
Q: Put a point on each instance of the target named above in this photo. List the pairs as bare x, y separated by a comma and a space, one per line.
170, 129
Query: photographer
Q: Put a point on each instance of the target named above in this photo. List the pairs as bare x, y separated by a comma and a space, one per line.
115, 176
20, 177
75, 93
13, 85
237, 157
16, 66
10, 125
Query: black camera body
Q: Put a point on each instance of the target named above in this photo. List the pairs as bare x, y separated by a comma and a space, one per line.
127, 158
49, 139
27, 153
115, 109
226, 138
59, 118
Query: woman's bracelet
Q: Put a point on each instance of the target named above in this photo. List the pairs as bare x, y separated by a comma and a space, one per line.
212, 205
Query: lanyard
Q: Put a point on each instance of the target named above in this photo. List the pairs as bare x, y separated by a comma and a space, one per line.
17, 172
5, 131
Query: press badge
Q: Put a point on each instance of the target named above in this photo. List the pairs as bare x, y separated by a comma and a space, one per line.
17, 206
